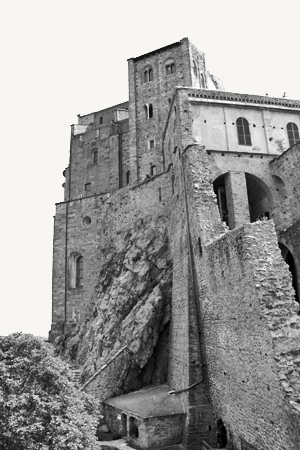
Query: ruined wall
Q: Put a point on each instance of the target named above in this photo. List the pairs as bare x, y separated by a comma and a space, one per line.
252, 335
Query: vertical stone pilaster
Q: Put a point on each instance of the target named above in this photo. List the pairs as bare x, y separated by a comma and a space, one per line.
237, 199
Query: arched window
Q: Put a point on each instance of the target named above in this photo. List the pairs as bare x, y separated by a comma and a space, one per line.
149, 111
75, 273
195, 69
95, 157
293, 133
202, 80
148, 75
79, 271
170, 66
101, 120
243, 131
127, 176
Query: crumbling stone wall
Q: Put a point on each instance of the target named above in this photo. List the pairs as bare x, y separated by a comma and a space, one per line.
252, 335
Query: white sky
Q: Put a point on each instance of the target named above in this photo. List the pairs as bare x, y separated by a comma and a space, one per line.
63, 58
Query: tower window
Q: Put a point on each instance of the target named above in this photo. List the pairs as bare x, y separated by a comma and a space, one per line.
170, 66
127, 176
95, 157
243, 131
79, 271
148, 75
101, 120
151, 144
293, 133
149, 111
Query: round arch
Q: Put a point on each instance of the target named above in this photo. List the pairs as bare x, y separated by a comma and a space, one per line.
259, 198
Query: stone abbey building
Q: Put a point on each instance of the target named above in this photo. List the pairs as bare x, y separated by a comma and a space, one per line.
176, 260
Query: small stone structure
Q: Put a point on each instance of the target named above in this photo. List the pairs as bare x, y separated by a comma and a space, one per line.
176, 259
149, 418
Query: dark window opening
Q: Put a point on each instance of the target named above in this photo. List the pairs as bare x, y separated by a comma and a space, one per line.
95, 157
243, 130
127, 176
79, 271
148, 75
293, 133
101, 120
170, 68
202, 80
87, 187
150, 110
133, 428
221, 434
159, 194
288, 257
259, 199
151, 144
153, 171
219, 189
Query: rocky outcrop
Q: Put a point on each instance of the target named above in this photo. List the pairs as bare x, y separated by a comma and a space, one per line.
128, 315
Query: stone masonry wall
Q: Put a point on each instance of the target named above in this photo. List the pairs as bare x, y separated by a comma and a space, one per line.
252, 335
110, 215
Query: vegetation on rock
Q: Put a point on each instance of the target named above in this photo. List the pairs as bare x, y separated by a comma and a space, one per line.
40, 407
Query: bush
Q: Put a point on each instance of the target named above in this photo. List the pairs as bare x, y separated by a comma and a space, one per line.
40, 407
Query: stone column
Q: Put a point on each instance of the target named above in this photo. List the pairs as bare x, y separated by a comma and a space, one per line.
237, 199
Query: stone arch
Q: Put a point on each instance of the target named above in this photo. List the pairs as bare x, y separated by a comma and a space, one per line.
259, 198
290, 261
242, 197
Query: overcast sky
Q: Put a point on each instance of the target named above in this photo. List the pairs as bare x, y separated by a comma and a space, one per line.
63, 58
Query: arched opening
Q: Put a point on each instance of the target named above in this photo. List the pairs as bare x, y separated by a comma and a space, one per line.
219, 189
221, 434
133, 427
259, 198
288, 257
101, 120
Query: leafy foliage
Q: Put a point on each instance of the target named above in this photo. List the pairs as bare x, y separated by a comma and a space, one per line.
40, 407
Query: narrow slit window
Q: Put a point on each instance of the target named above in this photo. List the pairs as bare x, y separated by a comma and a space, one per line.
153, 171
79, 271
95, 157
150, 110
293, 133
127, 176
101, 120
243, 130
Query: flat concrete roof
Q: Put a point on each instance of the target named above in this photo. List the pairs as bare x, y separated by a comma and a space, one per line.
151, 401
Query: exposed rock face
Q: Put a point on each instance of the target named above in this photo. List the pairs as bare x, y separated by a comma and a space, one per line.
130, 310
